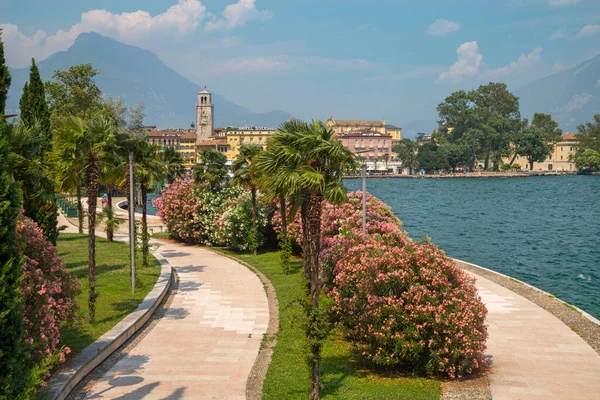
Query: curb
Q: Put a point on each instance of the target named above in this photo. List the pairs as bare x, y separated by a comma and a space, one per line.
63, 381
582, 312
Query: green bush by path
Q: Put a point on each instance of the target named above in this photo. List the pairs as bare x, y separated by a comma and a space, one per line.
343, 376
115, 299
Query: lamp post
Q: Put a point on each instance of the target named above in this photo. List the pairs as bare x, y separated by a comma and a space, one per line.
364, 191
131, 207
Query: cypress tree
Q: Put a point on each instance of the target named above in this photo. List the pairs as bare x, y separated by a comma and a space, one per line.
5, 78
24, 104
39, 200
37, 107
11, 328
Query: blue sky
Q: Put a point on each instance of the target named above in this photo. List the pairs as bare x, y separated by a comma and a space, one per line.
360, 59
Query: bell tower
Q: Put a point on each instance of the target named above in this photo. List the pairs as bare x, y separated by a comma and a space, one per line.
205, 116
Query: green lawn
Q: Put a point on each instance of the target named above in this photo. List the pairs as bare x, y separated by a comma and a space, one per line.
115, 299
342, 375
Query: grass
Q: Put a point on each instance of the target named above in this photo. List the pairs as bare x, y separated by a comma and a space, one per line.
115, 299
342, 375
160, 235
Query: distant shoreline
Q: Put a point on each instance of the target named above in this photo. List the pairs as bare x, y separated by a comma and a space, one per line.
468, 176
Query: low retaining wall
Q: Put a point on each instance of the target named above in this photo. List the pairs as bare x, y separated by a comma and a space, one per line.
63, 381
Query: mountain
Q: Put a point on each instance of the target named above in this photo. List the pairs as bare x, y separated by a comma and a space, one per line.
571, 96
136, 74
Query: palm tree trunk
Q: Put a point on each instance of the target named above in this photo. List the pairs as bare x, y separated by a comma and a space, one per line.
283, 215
314, 249
145, 248
79, 209
254, 228
305, 237
92, 202
109, 226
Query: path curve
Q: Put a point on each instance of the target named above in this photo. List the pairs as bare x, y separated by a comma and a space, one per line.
205, 345
534, 354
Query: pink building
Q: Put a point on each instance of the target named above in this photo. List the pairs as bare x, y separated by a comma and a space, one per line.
368, 144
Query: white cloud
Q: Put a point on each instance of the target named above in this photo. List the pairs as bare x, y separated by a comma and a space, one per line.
468, 64
238, 14
589, 30
598, 84
178, 20
563, 3
559, 34
443, 27
593, 53
523, 64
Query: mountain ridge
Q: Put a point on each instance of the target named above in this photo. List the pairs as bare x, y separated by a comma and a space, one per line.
572, 96
137, 74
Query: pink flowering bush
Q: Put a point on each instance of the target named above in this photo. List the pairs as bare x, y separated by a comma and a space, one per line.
234, 225
48, 290
409, 306
190, 211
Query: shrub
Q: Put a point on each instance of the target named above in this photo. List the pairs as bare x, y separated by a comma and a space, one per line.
191, 210
410, 307
505, 167
48, 290
516, 166
234, 226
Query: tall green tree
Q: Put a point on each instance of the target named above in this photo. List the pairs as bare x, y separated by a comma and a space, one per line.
5, 78
483, 121
74, 93
30, 168
11, 328
34, 109
211, 169
310, 163
245, 174
532, 144
149, 171
173, 162
432, 157
406, 152
587, 156
90, 138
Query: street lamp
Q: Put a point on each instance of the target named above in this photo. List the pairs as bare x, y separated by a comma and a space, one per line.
364, 192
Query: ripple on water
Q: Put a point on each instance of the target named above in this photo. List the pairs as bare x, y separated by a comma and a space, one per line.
540, 230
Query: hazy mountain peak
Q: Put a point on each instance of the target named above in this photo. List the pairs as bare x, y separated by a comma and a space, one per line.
137, 74
570, 96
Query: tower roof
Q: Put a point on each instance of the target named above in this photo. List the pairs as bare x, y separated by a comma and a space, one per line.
204, 92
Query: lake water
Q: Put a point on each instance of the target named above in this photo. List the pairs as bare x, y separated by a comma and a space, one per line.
542, 230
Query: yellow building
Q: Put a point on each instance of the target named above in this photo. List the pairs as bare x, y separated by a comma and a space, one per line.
237, 137
342, 126
558, 160
182, 142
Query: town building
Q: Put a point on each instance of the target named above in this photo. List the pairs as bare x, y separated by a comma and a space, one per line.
181, 141
558, 160
368, 144
341, 126
205, 116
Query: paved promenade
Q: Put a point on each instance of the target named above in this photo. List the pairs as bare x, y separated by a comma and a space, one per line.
205, 345
535, 355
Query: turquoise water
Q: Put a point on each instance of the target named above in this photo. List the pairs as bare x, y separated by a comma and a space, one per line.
541, 230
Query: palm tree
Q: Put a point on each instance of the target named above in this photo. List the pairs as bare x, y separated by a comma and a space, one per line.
211, 169
112, 176
246, 175
309, 163
173, 162
89, 138
149, 170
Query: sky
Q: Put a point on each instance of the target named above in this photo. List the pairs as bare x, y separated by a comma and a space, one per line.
352, 59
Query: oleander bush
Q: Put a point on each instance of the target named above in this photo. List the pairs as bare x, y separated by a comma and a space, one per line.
234, 226
48, 291
190, 210
410, 307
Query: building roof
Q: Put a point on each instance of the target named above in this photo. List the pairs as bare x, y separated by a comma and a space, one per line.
187, 136
358, 122
212, 143
569, 136
204, 92
388, 126
162, 134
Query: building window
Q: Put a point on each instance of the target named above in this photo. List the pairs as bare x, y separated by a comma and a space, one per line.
259, 140
561, 157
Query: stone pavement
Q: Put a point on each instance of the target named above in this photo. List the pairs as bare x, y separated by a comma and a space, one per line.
205, 345
535, 355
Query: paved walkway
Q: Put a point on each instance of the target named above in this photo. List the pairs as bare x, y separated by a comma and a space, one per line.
206, 344
535, 355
